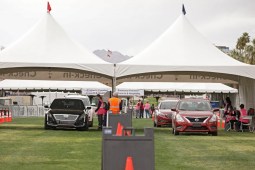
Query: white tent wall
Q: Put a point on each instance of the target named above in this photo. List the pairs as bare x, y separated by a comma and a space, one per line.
246, 92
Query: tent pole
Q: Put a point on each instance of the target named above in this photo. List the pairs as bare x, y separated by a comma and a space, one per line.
114, 79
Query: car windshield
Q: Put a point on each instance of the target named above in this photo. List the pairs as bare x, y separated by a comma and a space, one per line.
195, 105
72, 104
168, 104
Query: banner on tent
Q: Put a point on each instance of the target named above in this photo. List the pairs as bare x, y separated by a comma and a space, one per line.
161, 77
53, 74
94, 92
130, 92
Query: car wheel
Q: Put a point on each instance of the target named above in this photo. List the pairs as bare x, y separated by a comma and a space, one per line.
175, 132
214, 133
86, 125
46, 126
156, 123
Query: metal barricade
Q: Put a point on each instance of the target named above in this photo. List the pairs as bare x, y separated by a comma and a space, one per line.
124, 119
117, 149
25, 111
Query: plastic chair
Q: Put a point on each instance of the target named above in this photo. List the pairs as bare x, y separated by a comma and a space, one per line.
249, 125
227, 126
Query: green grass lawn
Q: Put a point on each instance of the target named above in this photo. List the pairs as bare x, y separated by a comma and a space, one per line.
24, 144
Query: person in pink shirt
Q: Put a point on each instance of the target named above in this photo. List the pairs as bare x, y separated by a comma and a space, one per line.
147, 107
137, 108
243, 113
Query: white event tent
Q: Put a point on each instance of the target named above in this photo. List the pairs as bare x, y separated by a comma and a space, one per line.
46, 52
182, 54
183, 48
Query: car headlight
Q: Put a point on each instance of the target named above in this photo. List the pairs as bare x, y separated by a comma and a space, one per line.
213, 118
160, 114
179, 118
50, 118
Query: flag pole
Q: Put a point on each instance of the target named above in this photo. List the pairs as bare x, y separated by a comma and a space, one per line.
114, 79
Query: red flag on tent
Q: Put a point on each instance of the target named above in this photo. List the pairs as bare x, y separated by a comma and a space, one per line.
48, 7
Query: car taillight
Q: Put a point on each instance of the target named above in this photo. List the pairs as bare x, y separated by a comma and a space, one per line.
179, 118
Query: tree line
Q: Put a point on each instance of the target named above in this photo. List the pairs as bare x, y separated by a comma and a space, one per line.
244, 50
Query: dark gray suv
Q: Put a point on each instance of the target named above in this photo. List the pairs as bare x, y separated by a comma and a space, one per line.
67, 113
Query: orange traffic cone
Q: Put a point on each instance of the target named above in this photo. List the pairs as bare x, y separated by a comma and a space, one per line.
119, 129
223, 123
129, 163
1, 117
9, 116
127, 132
218, 123
6, 115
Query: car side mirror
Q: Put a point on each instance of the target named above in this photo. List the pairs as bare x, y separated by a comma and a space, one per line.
46, 106
88, 107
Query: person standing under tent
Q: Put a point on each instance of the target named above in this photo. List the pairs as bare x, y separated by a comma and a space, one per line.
115, 104
141, 110
152, 109
101, 111
227, 105
137, 109
147, 109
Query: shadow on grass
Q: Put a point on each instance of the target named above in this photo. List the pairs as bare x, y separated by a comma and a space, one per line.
36, 128
21, 127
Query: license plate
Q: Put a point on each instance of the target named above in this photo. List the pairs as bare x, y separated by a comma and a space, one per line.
196, 125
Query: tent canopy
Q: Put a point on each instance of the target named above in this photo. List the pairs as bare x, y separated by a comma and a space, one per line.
179, 87
48, 45
183, 48
53, 85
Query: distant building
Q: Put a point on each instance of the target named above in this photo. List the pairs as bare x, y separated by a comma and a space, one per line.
1, 48
224, 49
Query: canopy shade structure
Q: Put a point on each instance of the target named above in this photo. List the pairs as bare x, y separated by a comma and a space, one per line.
52, 85
47, 45
183, 49
179, 87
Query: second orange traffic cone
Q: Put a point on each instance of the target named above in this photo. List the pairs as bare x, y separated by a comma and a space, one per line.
129, 163
119, 129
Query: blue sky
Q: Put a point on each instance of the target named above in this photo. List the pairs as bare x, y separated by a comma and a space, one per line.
129, 26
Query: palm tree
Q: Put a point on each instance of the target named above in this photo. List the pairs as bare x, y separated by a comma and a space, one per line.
245, 49
242, 41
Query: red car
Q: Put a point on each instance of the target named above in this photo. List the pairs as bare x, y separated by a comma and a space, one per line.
194, 115
163, 113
